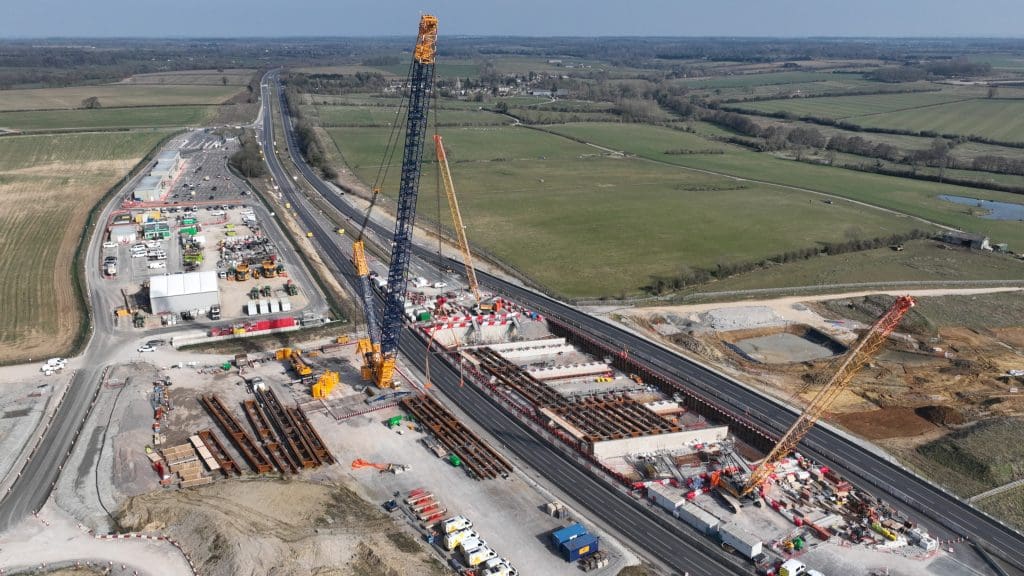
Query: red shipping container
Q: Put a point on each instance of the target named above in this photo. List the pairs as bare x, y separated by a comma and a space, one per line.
262, 325
283, 322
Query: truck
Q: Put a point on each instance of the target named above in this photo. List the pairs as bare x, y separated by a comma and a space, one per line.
53, 365
735, 538
215, 312
420, 282
792, 567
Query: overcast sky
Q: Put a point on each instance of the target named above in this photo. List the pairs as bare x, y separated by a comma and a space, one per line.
234, 18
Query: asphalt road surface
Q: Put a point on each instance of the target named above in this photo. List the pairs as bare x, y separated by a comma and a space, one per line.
946, 515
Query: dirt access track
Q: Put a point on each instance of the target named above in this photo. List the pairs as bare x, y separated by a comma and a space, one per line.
787, 307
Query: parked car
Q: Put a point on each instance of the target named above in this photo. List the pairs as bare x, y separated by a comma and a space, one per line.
440, 285
110, 244
146, 348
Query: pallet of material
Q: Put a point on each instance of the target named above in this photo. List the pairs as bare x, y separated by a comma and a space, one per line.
204, 453
179, 454
187, 467
154, 457
195, 482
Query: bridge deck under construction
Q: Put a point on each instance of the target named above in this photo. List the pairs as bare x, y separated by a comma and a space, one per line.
483, 461
598, 418
612, 417
252, 454
512, 376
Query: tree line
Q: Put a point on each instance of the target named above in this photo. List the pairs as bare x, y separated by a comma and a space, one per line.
310, 146
247, 160
934, 70
695, 276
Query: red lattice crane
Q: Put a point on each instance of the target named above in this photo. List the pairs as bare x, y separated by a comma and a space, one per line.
842, 372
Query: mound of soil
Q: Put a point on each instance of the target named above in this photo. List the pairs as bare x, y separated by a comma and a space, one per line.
941, 415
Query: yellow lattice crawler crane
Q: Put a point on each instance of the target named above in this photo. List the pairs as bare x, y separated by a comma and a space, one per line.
325, 384
842, 372
453, 204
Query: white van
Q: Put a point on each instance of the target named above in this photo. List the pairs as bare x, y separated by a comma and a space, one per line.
157, 265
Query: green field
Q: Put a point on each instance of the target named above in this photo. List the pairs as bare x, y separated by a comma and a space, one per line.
1008, 506
839, 107
587, 224
913, 197
48, 184
153, 116
981, 457
921, 260
234, 77
329, 116
446, 69
997, 119
745, 80
114, 96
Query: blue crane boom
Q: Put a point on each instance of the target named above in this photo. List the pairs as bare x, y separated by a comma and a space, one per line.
380, 355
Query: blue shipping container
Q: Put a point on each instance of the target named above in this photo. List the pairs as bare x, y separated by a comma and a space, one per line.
579, 547
562, 535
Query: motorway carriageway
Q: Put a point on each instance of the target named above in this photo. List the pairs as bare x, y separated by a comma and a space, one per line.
867, 470
669, 541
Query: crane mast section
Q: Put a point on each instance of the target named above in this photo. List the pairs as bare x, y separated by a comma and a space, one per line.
421, 81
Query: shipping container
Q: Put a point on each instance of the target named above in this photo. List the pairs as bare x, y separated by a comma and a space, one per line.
697, 517
286, 305
667, 497
743, 542
470, 543
455, 538
455, 524
262, 325
579, 547
479, 555
252, 308
562, 535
